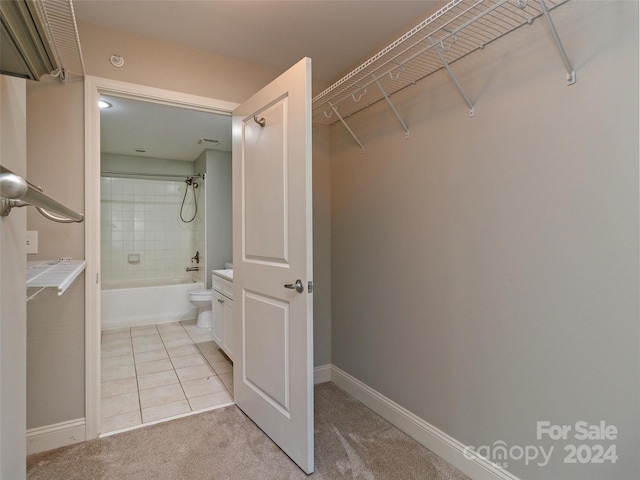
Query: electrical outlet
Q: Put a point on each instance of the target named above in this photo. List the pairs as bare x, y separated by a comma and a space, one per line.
32, 241
65, 259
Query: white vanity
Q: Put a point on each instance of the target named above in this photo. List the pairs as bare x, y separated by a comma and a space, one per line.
222, 286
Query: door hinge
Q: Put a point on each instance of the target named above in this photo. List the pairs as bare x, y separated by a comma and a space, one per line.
310, 286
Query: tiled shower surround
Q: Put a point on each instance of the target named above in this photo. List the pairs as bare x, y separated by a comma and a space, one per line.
141, 217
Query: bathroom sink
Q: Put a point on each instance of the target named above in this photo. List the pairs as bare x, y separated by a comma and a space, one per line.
226, 273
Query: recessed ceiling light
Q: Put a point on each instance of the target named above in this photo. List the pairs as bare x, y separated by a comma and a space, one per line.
103, 104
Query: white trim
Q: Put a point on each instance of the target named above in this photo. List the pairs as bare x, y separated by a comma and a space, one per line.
159, 95
93, 87
426, 434
67, 433
92, 256
322, 374
41, 439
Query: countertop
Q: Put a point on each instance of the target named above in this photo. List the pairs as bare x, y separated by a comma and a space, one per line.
227, 274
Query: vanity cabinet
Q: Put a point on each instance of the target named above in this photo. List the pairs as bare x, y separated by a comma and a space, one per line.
222, 307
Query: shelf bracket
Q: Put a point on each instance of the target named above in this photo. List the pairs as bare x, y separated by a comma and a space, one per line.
34, 295
393, 108
571, 73
453, 77
335, 110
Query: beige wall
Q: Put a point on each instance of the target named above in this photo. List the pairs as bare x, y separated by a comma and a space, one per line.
321, 172
13, 278
56, 159
485, 270
173, 67
169, 66
55, 326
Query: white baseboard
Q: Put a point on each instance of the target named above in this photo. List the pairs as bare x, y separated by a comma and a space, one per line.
41, 439
322, 374
426, 434
67, 433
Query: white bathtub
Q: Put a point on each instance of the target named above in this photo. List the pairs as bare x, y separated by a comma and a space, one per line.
144, 302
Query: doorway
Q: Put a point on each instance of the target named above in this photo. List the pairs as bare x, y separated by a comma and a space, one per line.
271, 307
165, 188
94, 88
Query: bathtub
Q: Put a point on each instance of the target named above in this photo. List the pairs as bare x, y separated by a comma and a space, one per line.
134, 303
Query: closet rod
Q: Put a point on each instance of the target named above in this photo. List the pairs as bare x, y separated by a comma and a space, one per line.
15, 191
111, 173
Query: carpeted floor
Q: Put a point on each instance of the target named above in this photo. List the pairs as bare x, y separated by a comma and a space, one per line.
351, 442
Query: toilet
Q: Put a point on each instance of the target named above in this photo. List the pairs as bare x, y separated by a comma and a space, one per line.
202, 299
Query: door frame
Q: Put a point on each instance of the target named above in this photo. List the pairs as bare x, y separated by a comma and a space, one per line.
93, 88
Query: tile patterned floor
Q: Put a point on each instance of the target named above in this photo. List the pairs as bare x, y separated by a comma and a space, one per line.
159, 371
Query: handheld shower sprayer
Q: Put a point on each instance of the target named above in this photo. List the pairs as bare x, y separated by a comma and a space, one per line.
194, 185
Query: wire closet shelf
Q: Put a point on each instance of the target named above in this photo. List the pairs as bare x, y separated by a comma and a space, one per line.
454, 31
59, 19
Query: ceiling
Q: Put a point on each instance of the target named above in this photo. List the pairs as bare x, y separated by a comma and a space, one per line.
335, 34
162, 131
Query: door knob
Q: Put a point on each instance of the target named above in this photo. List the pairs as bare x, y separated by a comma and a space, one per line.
298, 286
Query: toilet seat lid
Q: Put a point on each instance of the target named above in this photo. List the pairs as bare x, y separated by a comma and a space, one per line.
201, 293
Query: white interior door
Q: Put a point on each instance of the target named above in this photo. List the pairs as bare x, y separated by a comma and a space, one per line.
272, 245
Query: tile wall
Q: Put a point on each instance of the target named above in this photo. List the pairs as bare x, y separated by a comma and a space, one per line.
142, 217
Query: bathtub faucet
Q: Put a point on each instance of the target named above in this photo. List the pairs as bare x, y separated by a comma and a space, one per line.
193, 269
196, 257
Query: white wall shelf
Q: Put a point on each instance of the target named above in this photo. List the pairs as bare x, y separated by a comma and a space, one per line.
58, 274
456, 30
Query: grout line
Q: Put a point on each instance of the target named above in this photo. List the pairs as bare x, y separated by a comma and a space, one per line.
211, 365
175, 370
164, 345
162, 420
135, 365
